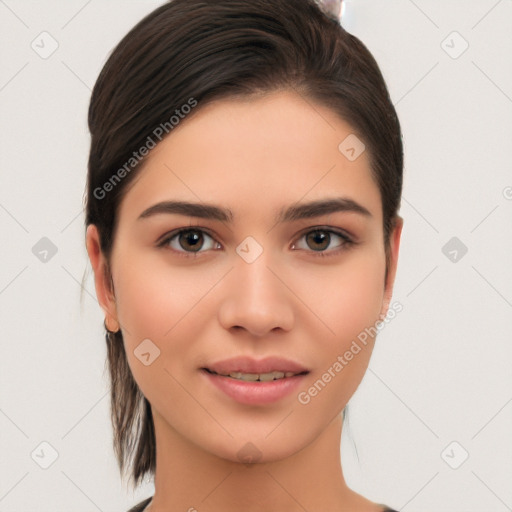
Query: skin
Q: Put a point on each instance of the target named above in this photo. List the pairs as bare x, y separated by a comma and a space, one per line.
254, 157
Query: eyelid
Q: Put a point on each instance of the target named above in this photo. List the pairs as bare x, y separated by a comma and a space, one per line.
330, 229
349, 241
171, 234
165, 239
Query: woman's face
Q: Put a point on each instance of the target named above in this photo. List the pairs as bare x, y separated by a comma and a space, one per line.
254, 285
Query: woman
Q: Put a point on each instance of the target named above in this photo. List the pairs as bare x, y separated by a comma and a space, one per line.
244, 182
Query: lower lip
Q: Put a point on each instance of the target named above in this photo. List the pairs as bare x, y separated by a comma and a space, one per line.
255, 392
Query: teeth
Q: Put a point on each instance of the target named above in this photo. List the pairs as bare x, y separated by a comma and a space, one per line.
260, 376
257, 376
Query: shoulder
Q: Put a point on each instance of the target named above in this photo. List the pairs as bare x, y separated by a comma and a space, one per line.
141, 506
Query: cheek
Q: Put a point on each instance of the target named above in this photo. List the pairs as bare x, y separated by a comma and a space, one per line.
167, 304
348, 301
156, 301
152, 296
346, 298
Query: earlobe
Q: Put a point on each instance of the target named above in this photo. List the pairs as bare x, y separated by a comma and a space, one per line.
102, 279
394, 242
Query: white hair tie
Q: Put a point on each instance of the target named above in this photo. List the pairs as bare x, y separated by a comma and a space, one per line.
332, 7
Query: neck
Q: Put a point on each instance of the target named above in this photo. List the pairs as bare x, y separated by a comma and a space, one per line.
190, 478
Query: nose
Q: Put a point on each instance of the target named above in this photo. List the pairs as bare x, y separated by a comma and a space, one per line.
256, 297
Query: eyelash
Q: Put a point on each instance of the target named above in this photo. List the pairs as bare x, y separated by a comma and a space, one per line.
347, 241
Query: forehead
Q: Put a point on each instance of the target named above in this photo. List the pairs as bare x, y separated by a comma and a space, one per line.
255, 153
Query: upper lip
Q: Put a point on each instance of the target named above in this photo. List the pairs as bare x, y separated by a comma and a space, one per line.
249, 365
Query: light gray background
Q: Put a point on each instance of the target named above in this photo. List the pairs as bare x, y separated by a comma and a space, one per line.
441, 370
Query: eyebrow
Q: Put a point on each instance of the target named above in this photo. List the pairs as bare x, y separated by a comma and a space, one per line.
292, 213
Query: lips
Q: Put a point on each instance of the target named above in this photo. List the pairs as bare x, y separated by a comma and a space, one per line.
261, 392
256, 366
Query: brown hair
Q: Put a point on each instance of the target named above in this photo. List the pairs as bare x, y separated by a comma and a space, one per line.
198, 51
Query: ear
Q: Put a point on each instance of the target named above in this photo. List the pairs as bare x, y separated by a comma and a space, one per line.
102, 278
394, 241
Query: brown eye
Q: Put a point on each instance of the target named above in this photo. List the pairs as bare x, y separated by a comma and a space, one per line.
318, 240
189, 241
192, 239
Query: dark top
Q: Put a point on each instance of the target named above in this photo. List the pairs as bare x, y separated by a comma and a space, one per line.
140, 507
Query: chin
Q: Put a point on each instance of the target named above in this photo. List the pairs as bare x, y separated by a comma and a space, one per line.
259, 448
